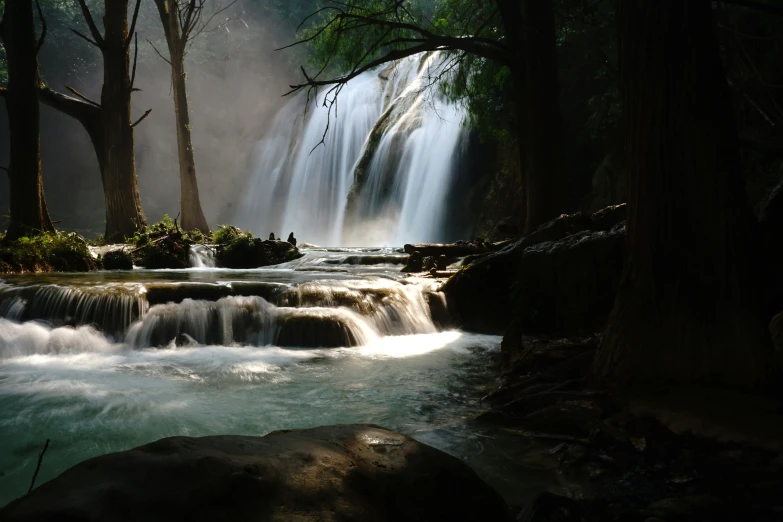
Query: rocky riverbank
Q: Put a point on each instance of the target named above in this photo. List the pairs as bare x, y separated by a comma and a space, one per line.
162, 245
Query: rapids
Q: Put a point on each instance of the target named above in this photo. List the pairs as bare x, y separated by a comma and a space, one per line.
106, 361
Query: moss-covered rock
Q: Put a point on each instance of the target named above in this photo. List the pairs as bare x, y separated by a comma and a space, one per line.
49, 252
248, 252
118, 260
166, 252
164, 245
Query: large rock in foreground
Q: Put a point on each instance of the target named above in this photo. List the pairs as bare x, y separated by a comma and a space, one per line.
332, 473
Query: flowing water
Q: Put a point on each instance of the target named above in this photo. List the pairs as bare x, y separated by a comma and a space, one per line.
106, 361
384, 171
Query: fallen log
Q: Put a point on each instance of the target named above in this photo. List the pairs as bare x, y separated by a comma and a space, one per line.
453, 249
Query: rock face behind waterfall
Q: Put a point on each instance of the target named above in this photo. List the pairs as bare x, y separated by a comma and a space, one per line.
332, 473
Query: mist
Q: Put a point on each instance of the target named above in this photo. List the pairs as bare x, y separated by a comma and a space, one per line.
235, 83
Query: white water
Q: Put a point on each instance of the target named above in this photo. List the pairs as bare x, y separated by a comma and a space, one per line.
356, 345
201, 256
295, 188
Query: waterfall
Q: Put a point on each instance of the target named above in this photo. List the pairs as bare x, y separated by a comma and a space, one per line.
383, 173
112, 308
201, 256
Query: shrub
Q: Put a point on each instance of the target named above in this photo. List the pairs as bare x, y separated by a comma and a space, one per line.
118, 260
48, 252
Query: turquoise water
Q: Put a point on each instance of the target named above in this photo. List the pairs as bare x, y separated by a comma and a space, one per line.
92, 394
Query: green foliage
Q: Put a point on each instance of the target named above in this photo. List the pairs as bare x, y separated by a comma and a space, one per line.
49, 252
227, 233
245, 251
484, 87
118, 260
99, 240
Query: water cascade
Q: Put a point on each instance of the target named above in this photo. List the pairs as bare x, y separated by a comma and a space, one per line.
108, 360
201, 256
112, 308
383, 173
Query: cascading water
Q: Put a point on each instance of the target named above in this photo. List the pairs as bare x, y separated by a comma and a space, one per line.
112, 308
201, 256
383, 173
109, 360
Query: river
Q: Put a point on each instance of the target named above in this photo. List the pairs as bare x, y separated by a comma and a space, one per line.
106, 361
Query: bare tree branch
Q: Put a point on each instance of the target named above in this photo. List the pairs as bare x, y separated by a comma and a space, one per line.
135, 59
758, 6
43, 27
198, 28
77, 33
38, 467
142, 118
91, 24
132, 29
156, 50
82, 96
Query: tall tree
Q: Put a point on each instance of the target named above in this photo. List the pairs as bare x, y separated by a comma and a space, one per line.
359, 35
688, 309
182, 21
124, 214
28, 204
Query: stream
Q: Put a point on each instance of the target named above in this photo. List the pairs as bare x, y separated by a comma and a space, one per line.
106, 361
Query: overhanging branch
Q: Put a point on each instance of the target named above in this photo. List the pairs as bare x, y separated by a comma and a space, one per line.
757, 6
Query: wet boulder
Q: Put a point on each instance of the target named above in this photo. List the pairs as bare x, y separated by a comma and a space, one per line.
331, 473
415, 263
317, 328
249, 252
479, 295
166, 252
568, 286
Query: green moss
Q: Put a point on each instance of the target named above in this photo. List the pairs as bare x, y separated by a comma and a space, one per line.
49, 252
227, 233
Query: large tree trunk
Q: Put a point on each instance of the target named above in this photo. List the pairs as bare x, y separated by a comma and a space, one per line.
687, 310
512, 17
192, 214
28, 205
529, 27
124, 214
544, 190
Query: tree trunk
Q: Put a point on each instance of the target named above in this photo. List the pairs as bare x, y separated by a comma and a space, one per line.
512, 18
544, 188
687, 310
28, 205
529, 27
124, 214
192, 214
